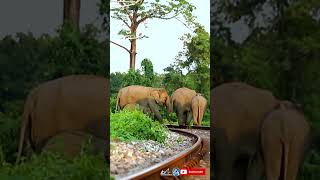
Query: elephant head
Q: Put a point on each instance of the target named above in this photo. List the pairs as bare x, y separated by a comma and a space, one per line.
161, 96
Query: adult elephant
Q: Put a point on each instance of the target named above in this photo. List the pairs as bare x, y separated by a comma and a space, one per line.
285, 138
181, 102
198, 104
145, 96
76, 102
237, 112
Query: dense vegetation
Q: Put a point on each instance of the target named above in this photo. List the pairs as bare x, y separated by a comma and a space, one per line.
25, 62
281, 54
135, 125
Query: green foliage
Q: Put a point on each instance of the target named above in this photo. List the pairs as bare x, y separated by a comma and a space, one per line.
55, 166
27, 61
9, 131
148, 74
282, 57
150, 10
135, 125
196, 60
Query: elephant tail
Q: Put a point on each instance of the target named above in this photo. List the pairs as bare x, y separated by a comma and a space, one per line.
26, 121
199, 113
118, 101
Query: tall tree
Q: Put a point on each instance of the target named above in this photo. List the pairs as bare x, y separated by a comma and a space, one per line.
196, 58
71, 12
133, 13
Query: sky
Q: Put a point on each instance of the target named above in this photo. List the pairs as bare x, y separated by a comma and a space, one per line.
163, 43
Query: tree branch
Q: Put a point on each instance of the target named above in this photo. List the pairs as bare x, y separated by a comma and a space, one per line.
184, 24
121, 46
124, 21
142, 19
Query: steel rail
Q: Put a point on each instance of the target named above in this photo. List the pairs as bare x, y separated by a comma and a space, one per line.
186, 158
188, 127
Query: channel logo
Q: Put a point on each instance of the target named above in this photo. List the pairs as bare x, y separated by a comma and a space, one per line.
184, 172
192, 171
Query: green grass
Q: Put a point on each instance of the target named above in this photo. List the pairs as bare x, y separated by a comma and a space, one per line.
134, 125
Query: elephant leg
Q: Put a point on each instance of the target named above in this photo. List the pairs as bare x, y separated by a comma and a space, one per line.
295, 156
188, 117
224, 157
255, 167
195, 115
180, 117
154, 109
272, 155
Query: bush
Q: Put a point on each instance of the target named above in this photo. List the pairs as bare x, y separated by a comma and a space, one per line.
55, 166
135, 125
311, 169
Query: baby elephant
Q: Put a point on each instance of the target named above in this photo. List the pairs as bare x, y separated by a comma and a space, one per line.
285, 137
198, 105
134, 106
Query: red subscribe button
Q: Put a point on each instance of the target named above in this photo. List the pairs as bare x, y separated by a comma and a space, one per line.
192, 171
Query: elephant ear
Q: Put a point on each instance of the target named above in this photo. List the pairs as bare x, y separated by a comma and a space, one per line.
155, 94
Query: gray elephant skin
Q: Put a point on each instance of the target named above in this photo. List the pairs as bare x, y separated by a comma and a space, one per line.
285, 139
242, 115
75, 102
198, 106
237, 110
148, 97
181, 103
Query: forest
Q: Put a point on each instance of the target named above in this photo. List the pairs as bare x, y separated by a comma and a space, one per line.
279, 51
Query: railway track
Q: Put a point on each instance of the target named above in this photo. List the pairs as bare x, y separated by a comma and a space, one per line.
188, 158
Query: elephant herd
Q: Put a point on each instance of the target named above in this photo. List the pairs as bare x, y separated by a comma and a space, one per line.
74, 107
256, 135
184, 101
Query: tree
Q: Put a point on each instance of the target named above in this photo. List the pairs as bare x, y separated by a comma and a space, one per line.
133, 13
148, 74
71, 12
196, 58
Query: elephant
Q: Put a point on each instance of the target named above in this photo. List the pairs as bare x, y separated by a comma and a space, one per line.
132, 107
198, 105
237, 111
285, 138
144, 95
74, 102
71, 143
181, 102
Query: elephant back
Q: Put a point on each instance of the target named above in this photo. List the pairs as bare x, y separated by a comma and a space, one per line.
182, 96
238, 109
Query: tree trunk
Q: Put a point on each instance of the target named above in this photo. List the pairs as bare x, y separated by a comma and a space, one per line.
133, 41
133, 54
71, 12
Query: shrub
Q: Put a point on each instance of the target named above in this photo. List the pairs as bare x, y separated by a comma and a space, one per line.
55, 166
134, 125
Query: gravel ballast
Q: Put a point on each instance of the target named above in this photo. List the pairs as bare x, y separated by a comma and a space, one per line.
129, 157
